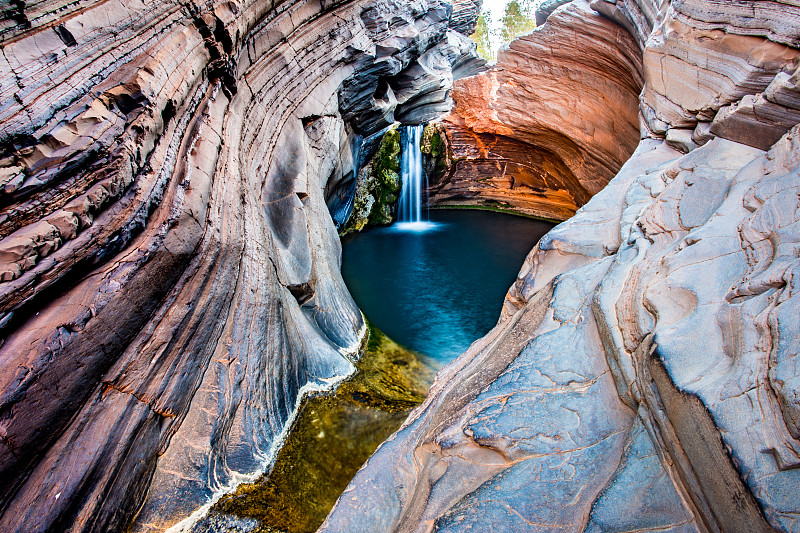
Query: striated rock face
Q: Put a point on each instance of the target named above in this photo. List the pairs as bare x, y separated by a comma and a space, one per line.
550, 124
169, 266
745, 54
643, 375
489, 170
387, 86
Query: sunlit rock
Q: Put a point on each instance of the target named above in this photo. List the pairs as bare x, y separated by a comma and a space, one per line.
548, 125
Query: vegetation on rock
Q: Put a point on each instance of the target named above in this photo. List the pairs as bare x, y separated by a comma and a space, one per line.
436, 157
378, 186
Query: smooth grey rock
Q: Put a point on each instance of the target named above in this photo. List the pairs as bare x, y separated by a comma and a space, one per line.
423, 89
544, 9
681, 139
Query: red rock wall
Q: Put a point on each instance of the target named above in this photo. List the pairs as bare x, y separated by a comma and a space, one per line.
499, 172
568, 94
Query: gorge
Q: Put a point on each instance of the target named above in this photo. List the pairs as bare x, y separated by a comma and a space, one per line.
175, 176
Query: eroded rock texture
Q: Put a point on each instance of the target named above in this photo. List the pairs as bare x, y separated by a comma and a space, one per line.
170, 269
643, 375
550, 124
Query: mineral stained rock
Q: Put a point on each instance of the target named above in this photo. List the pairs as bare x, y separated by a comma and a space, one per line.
644, 374
550, 124
170, 270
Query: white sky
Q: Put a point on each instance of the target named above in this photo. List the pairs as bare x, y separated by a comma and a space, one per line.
496, 7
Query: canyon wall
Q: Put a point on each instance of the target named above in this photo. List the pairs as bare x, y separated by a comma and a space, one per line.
644, 374
547, 126
169, 265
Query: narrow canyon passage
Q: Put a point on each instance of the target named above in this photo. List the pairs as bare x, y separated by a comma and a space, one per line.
175, 181
434, 281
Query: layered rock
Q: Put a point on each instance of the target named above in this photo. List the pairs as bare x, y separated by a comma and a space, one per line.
550, 124
386, 89
472, 169
643, 375
170, 277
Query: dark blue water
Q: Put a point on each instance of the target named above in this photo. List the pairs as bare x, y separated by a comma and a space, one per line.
438, 290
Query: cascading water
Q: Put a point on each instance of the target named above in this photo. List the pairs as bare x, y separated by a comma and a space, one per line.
410, 213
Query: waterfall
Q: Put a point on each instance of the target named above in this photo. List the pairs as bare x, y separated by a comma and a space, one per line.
410, 208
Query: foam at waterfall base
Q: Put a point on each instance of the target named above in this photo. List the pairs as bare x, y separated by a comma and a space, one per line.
416, 227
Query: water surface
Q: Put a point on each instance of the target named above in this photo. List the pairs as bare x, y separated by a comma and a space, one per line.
436, 288
332, 436
437, 285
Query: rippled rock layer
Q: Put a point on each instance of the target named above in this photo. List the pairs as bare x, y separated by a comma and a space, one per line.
169, 266
550, 124
644, 374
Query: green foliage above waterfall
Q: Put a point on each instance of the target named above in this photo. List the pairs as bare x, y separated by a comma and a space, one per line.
483, 37
518, 19
377, 186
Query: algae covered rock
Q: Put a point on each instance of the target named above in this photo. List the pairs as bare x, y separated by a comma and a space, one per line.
436, 154
378, 186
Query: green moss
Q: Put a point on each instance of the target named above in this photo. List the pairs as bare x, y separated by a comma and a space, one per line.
435, 151
431, 142
377, 186
381, 215
388, 158
331, 438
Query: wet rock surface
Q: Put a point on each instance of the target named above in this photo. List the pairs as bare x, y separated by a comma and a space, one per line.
643, 374
378, 186
330, 439
169, 268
